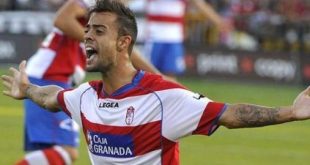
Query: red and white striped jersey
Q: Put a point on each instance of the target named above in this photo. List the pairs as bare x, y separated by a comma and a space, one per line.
59, 56
141, 122
165, 19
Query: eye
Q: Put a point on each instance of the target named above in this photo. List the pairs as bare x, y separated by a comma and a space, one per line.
98, 31
86, 30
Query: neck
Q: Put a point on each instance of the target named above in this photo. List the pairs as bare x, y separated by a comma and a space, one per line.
118, 77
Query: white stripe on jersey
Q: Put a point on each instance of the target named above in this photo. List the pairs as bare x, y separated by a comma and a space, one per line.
164, 8
36, 158
163, 31
147, 109
40, 62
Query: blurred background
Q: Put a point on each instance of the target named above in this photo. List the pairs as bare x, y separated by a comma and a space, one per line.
270, 40
264, 59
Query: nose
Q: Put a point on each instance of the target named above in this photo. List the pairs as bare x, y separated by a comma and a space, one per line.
88, 36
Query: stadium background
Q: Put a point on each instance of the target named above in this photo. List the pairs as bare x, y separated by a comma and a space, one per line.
265, 60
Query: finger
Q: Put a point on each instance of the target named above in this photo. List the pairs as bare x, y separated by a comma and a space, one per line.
307, 91
13, 71
7, 78
7, 85
7, 93
22, 66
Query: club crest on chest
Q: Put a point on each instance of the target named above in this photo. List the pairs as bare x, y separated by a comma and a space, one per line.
130, 115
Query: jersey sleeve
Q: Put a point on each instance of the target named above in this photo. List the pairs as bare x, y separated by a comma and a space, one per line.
69, 100
187, 113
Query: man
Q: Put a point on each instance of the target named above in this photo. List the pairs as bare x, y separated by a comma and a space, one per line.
59, 61
70, 19
134, 117
165, 32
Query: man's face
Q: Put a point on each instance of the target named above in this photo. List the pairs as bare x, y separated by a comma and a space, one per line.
100, 42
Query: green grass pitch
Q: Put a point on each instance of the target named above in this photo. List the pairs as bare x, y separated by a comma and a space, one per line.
286, 144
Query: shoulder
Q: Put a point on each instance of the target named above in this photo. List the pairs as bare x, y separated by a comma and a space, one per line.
92, 85
87, 88
157, 83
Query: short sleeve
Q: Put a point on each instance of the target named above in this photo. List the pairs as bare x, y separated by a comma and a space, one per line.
61, 102
70, 101
187, 113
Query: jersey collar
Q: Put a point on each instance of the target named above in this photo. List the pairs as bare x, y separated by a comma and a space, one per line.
135, 81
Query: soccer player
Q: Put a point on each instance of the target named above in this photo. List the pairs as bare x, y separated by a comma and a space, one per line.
165, 32
59, 61
131, 116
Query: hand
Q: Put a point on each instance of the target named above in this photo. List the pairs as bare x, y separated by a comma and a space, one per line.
301, 105
17, 84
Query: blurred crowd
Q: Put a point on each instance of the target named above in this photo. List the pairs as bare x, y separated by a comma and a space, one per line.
274, 24
34, 5
268, 25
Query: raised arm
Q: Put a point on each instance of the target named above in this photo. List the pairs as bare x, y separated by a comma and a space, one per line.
67, 19
141, 63
208, 12
18, 87
246, 115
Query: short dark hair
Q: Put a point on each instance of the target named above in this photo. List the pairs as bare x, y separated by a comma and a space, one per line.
127, 24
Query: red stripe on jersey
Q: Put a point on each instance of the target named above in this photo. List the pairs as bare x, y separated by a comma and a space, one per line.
170, 153
63, 65
55, 41
149, 83
160, 18
53, 157
146, 137
68, 54
61, 101
208, 120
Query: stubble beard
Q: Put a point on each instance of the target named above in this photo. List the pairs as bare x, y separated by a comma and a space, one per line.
103, 69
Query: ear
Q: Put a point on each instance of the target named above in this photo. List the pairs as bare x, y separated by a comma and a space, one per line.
123, 43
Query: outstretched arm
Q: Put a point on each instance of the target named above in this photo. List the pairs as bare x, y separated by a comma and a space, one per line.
18, 87
246, 115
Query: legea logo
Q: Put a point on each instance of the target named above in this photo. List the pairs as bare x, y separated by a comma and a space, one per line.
108, 105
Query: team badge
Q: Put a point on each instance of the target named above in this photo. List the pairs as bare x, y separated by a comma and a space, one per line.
130, 115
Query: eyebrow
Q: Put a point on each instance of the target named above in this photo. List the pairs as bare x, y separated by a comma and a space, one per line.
96, 26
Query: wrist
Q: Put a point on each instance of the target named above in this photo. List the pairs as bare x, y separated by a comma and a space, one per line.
27, 90
292, 114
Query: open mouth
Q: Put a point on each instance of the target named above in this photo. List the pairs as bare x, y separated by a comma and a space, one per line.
90, 52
